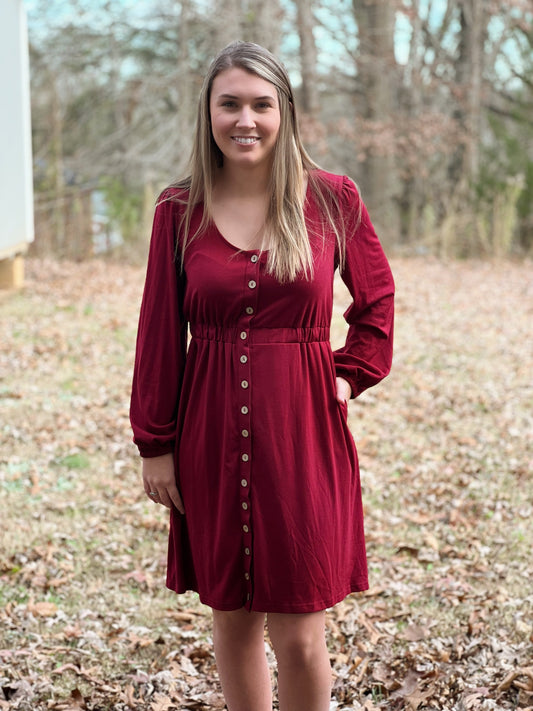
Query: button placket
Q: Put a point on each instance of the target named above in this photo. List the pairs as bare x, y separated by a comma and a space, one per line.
245, 413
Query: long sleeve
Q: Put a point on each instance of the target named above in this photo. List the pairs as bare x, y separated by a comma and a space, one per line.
366, 356
161, 341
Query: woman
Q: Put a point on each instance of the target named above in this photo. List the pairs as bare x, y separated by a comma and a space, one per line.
243, 434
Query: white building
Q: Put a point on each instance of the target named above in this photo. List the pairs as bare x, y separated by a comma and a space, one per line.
16, 182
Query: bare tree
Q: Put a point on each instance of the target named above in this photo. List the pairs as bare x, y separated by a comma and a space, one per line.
308, 57
114, 96
262, 23
376, 70
468, 76
187, 100
413, 185
228, 23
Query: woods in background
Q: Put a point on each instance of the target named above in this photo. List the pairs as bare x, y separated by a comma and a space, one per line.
436, 99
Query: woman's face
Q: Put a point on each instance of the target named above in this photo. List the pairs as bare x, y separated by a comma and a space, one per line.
245, 118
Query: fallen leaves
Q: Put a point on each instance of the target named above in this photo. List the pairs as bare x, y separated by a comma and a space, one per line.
520, 678
43, 609
411, 690
445, 447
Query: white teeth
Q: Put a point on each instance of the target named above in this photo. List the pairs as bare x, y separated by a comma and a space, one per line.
244, 141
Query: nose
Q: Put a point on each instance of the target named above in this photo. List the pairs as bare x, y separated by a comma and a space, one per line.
245, 118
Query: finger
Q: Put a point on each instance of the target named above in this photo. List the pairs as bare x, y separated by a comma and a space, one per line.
341, 397
178, 503
149, 490
165, 499
176, 499
170, 497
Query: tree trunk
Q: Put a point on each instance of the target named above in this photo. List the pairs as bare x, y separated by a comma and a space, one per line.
308, 57
469, 71
58, 168
228, 24
187, 101
376, 69
263, 21
413, 187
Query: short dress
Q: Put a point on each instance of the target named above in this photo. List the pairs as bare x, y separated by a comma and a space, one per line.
234, 373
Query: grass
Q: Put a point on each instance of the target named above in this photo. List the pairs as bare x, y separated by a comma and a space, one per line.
445, 450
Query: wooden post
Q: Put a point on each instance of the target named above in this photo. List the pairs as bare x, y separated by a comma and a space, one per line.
12, 272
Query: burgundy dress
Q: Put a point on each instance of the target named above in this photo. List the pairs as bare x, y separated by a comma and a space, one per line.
265, 462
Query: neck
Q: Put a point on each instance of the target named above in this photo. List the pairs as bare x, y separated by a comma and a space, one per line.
246, 183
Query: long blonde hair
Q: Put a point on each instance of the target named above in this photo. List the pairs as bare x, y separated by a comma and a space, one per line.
289, 253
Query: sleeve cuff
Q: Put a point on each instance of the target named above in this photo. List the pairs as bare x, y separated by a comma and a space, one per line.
148, 451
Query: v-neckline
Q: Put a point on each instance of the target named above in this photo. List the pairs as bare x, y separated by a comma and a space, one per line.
256, 250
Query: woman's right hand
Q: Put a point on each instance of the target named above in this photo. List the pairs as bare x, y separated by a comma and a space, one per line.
160, 481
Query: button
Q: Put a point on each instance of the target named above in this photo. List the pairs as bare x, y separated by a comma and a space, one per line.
245, 528
243, 335
244, 410
244, 359
252, 284
254, 258
244, 505
245, 433
245, 457
249, 310
247, 551
247, 576
244, 384
244, 482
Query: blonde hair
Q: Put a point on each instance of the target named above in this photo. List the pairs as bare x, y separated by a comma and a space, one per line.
289, 253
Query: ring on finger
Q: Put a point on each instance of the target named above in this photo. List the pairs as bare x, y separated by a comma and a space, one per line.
153, 494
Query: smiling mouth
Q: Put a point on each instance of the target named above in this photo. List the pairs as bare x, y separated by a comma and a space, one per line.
245, 140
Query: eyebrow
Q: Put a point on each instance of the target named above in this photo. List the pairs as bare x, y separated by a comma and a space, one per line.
257, 98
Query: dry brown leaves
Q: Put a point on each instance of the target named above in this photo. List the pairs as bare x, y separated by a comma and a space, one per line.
445, 446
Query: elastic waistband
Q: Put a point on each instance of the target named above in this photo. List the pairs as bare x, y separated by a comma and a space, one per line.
232, 334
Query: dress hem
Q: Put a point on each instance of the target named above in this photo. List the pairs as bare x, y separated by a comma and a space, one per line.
282, 608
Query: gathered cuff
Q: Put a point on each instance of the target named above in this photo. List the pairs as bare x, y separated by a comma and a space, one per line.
148, 451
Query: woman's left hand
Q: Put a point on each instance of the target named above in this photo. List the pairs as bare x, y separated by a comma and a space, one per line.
344, 390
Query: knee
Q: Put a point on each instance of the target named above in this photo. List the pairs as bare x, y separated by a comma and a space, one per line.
298, 648
296, 652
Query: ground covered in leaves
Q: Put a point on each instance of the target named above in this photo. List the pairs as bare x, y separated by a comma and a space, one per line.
446, 451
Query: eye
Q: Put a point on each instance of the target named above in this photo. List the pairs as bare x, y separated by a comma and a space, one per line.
264, 105
229, 104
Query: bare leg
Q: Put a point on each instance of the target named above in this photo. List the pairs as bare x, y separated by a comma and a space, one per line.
238, 638
304, 671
